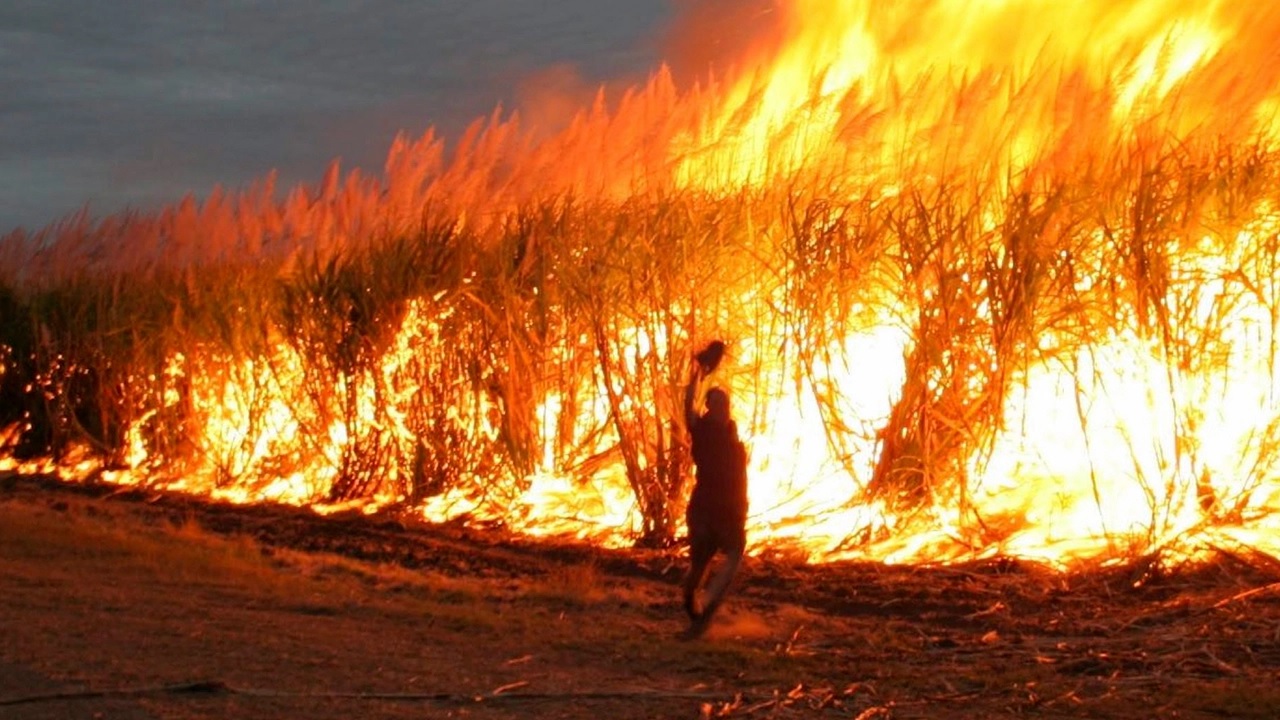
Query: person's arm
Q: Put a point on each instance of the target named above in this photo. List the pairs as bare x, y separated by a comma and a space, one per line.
690, 397
705, 362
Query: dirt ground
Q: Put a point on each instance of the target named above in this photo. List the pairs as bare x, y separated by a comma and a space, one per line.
132, 604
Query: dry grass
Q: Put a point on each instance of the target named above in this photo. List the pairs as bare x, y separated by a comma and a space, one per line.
182, 555
575, 584
88, 536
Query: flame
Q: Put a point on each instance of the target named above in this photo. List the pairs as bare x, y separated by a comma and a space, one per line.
862, 87
1119, 445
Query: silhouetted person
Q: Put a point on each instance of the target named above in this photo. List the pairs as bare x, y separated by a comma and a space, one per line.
717, 512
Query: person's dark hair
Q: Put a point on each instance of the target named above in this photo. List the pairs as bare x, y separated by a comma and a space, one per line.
718, 403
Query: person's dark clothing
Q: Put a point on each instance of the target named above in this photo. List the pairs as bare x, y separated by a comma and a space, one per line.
717, 511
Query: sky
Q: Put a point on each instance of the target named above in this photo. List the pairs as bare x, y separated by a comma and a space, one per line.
115, 104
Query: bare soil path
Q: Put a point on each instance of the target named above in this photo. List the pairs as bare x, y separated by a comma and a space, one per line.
132, 604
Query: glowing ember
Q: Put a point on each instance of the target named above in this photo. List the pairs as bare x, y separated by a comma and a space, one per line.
999, 278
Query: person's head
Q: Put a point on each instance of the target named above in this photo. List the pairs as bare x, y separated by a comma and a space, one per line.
718, 405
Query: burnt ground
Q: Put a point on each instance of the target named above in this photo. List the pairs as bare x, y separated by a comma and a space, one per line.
125, 603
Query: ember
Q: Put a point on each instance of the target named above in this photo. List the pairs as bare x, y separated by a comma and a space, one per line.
1000, 279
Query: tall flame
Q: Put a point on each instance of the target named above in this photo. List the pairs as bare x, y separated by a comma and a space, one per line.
863, 86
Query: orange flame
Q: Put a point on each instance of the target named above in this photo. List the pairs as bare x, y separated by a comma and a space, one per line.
864, 87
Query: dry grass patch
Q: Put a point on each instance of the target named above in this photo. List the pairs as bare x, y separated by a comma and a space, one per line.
181, 552
575, 584
182, 555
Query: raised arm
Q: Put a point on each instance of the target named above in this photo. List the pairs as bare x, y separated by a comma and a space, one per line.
705, 362
691, 397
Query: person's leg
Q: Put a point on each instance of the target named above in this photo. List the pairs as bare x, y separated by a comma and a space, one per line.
718, 586
700, 553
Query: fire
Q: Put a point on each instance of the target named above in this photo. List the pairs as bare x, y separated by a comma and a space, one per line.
1060, 343
866, 88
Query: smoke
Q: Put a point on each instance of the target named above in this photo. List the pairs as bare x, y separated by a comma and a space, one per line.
550, 98
740, 623
721, 37
702, 39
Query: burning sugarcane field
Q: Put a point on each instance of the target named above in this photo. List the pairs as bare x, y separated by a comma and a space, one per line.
884, 360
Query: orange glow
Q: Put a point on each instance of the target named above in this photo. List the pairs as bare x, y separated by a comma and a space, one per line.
1110, 442
1004, 84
